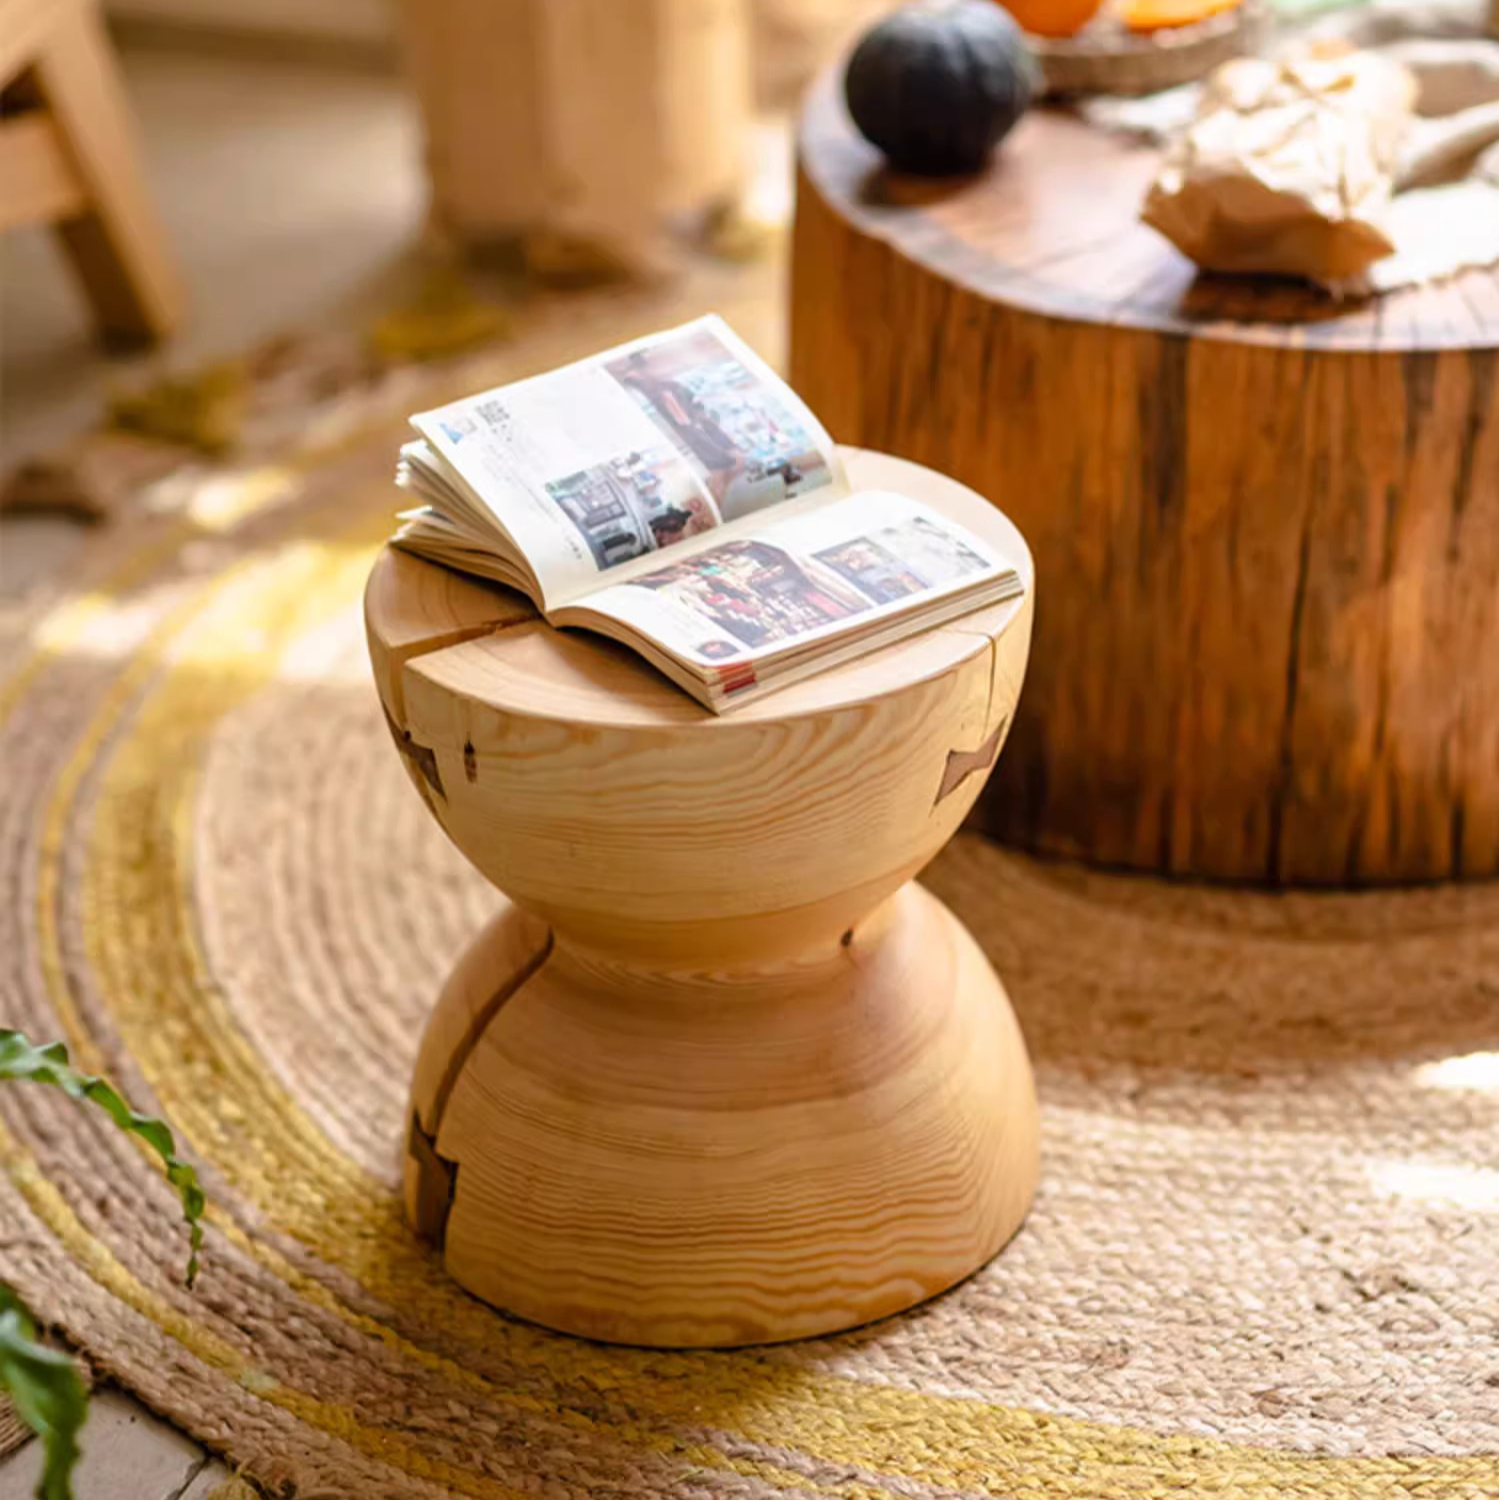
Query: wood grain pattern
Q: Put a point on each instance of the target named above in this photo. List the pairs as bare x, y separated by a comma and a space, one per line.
1267, 524
721, 1074
412, 609
689, 1158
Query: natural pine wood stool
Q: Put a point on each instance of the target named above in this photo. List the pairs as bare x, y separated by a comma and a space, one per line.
68, 157
722, 1073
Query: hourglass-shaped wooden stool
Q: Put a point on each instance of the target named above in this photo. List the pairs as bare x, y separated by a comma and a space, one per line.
721, 1072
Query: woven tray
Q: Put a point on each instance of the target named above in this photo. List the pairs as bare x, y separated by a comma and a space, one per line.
1106, 58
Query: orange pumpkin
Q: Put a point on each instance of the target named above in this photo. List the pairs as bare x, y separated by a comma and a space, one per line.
1053, 17
1160, 15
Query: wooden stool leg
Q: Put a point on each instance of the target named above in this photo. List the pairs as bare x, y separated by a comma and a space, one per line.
117, 245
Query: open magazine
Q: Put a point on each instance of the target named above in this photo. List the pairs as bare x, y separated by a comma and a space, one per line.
675, 495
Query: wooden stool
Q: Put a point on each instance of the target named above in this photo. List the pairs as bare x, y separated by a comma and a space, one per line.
722, 1073
1265, 518
68, 157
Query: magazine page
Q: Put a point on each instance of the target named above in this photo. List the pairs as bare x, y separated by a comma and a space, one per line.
601, 464
794, 583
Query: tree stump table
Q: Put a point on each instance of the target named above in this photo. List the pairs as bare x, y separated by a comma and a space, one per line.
721, 1072
1266, 523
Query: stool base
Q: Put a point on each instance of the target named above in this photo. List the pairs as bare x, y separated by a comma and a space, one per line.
678, 1158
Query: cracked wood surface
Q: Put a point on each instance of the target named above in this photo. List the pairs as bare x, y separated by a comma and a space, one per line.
715, 950
1266, 524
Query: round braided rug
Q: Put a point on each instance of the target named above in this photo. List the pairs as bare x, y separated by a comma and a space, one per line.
1264, 1261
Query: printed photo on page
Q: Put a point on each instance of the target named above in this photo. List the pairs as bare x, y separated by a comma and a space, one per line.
609, 460
914, 556
634, 504
739, 427
857, 561
576, 473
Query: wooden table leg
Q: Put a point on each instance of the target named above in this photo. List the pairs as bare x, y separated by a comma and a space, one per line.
117, 245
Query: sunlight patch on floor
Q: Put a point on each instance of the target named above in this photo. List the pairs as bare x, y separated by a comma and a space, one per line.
1440, 1182
1471, 1070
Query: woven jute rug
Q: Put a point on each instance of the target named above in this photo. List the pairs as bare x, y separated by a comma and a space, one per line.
1264, 1261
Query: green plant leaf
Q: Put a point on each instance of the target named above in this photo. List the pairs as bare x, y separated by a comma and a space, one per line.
48, 1393
23, 1060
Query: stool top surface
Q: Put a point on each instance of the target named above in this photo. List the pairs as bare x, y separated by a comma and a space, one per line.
487, 643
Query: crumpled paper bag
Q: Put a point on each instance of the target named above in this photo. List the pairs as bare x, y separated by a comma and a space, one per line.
1289, 166
1440, 210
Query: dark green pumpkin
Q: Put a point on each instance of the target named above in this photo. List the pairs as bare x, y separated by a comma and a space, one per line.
937, 85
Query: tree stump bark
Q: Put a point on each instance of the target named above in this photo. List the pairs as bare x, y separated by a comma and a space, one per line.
1265, 524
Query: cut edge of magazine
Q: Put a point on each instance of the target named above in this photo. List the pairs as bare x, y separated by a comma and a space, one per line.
742, 682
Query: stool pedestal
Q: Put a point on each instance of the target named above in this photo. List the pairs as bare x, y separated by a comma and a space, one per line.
722, 1072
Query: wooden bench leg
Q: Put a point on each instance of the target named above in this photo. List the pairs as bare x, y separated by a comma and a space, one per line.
117, 245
